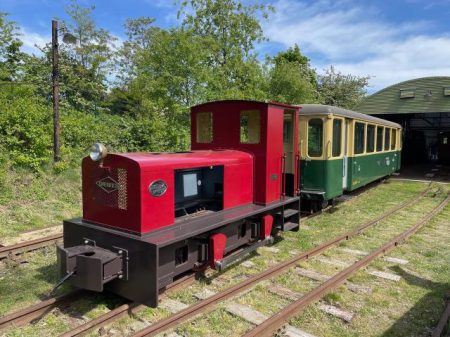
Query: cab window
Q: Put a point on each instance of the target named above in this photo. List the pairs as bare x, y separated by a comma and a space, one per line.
315, 137
370, 138
204, 127
387, 139
337, 137
379, 138
394, 139
250, 127
359, 137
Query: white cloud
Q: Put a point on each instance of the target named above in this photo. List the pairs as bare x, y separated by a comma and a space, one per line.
356, 40
32, 41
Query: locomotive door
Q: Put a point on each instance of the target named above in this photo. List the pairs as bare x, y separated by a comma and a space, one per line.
345, 158
290, 170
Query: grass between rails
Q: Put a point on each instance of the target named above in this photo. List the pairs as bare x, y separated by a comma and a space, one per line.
347, 215
30, 201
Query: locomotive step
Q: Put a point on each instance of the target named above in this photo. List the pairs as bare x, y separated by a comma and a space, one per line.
290, 225
288, 212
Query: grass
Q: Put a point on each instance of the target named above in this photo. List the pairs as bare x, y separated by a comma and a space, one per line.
26, 285
31, 201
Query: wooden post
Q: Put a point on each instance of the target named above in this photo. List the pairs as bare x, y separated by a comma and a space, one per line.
55, 78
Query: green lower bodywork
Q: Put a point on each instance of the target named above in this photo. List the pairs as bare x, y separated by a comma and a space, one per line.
323, 179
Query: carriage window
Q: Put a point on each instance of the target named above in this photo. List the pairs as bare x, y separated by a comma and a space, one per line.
250, 126
387, 139
370, 138
379, 138
394, 139
315, 137
204, 127
337, 136
359, 137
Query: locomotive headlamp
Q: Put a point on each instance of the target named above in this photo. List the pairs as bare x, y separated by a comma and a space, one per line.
98, 152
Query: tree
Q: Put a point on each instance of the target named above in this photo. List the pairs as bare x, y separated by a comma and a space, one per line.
341, 90
291, 78
10, 55
140, 33
231, 30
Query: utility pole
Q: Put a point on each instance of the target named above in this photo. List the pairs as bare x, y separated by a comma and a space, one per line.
55, 78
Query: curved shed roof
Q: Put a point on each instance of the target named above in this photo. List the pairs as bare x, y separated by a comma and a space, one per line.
319, 109
420, 95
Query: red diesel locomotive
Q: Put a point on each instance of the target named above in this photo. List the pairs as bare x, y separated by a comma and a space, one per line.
150, 217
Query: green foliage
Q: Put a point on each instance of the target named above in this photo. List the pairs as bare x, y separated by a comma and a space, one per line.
230, 30
10, 55
25, 124
345, 91
159, 74
291, 79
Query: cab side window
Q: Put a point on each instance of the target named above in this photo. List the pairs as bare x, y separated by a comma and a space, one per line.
337, 137
204, 127
315, 137
250, 126
359, 137
370, 138
379, 138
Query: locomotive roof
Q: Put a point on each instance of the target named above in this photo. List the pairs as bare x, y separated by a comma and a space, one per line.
247, 101
320, 109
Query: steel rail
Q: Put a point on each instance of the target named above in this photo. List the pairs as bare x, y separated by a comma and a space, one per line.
268, 327
443, 322
13, 250
208, 303
125, 309
36, 311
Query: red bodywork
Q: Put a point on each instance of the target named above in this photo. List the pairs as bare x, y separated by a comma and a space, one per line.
268, 153
117, 194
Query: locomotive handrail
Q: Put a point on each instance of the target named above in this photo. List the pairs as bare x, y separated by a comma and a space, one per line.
297, 171
283, 175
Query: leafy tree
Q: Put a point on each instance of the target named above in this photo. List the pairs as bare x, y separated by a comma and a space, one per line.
231, 30
10, 55
139, 33
291, 79
341, 90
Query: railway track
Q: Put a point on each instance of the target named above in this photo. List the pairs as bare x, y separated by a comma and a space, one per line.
209, 303
34, 312
268, 327
12, 251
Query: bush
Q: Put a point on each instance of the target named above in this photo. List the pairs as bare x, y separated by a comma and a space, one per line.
25, 130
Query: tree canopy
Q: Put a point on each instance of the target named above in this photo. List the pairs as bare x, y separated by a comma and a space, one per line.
136, 95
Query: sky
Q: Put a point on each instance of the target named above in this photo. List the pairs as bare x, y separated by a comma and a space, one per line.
389, 40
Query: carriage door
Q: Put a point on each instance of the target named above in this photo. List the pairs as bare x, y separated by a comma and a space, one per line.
290, 174
345, 158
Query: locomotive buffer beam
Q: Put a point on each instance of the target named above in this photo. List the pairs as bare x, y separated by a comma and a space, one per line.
90, 267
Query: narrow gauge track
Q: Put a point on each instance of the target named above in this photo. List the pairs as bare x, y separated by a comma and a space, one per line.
38, 310
268, 327
207, 304
13, 250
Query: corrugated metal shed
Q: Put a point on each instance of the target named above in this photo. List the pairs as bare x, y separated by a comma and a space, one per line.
421, 95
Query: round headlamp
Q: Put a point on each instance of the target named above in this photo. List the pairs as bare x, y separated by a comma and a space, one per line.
98, 152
